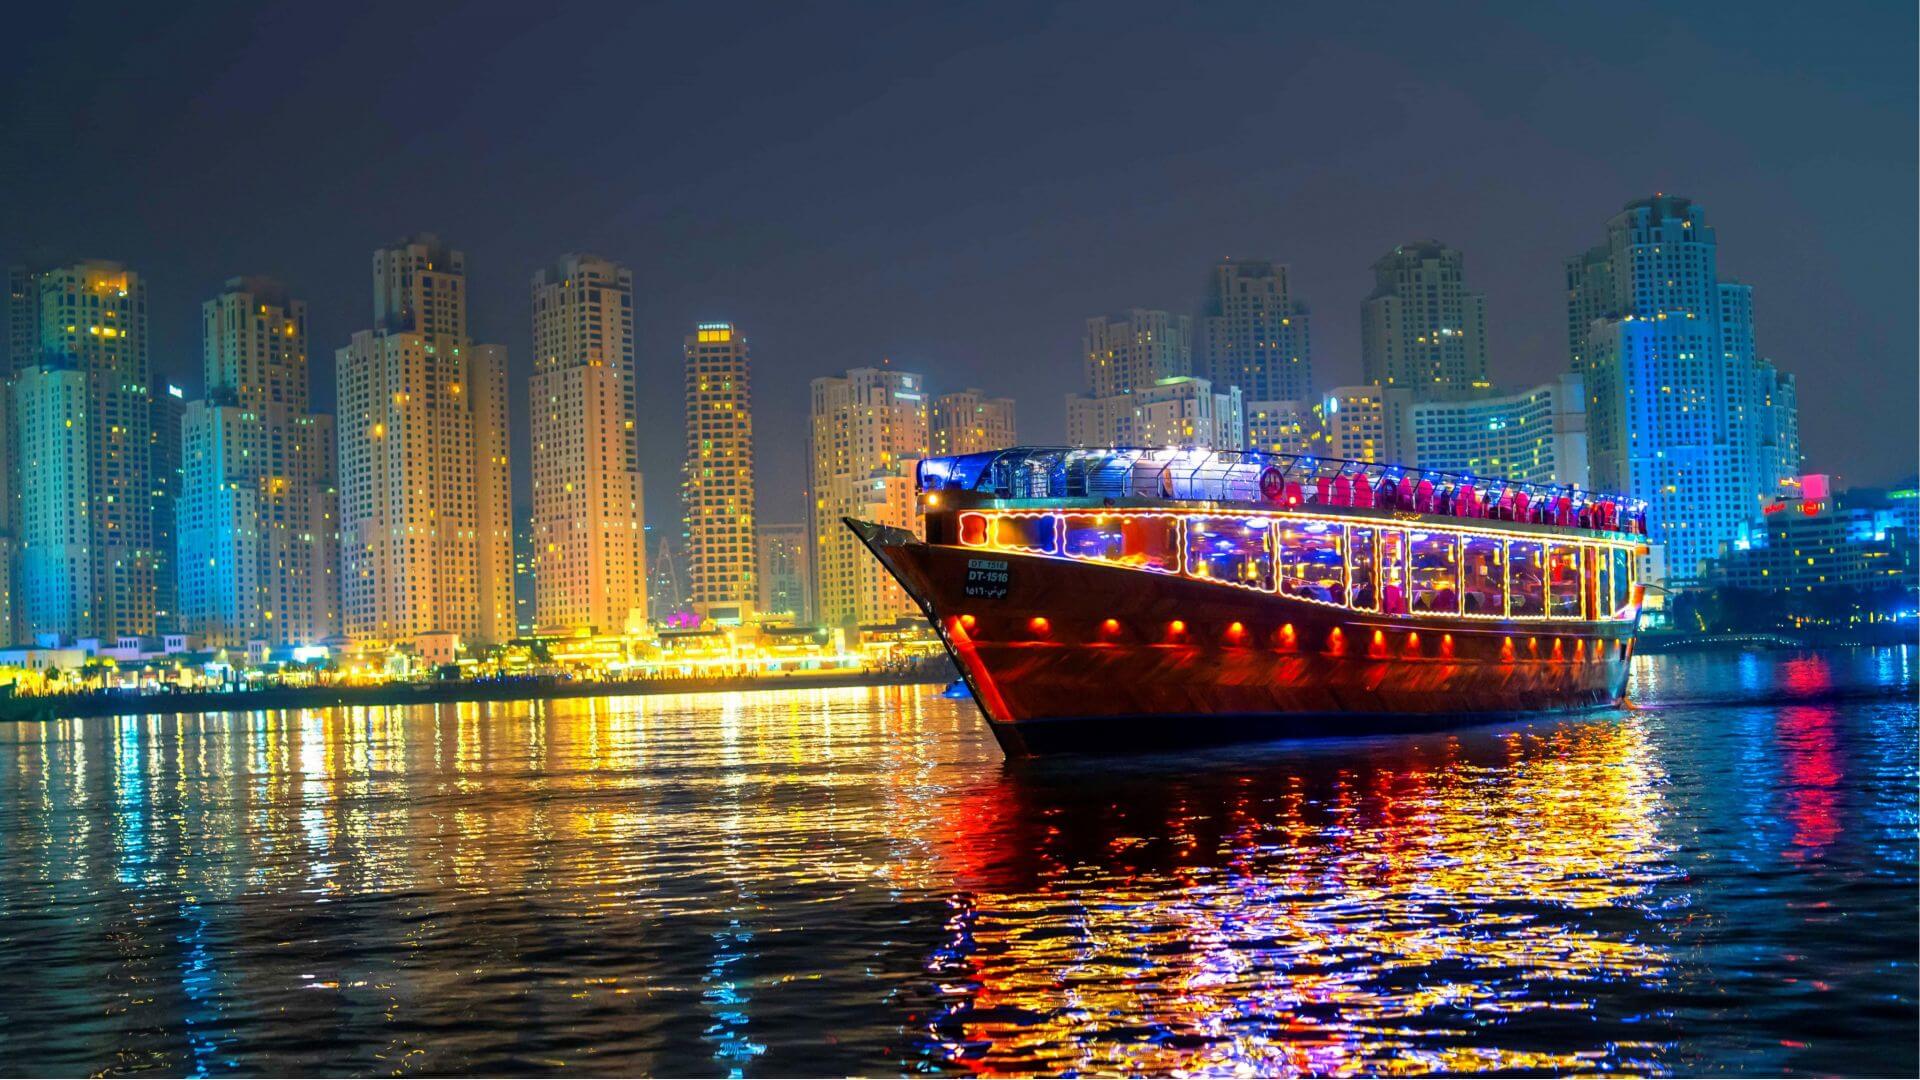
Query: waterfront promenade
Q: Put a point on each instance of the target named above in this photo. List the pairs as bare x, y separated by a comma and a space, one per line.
102, 703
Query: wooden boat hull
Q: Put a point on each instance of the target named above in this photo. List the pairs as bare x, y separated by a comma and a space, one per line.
1065, 655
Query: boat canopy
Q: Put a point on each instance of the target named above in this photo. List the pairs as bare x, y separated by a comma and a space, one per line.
1258, 477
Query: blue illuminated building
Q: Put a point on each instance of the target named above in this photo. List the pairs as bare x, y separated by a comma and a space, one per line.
1680, 410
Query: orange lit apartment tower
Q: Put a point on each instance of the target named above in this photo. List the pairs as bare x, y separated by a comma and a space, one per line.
590, 552
869, 428
425, 533
968, 422
717, 485
258, 518
82, 431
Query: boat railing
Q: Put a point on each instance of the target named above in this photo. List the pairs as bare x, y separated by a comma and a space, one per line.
1289, 480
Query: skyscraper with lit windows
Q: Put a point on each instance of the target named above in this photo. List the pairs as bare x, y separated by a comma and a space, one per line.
717, 479
426, 531
1255, 334
968, 422
82, 414
1141, 390
258, 516
587, 515
1422, 329
869, 431
1681, 411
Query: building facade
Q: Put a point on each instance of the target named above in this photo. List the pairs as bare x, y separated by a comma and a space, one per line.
1353, 421
869, 431
53, 570
970, 422
1820, 540
717, 494
1136, 349
169, 405
426, 531
258, 515
1284, 427
85, 569
1680, 410
587, 515
1537, 435
1180, 411
1422, 329
784, 581
1254, 334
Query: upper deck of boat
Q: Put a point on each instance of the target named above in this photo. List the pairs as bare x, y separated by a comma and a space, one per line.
1188, 479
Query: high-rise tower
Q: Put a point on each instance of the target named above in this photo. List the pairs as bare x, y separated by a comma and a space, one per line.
1422, 329
717, 479
586, 471
1680, 410
1141, 390
426, 532
258, 519
969, 422
82, 428
1255, 334
869, 432
1137, 349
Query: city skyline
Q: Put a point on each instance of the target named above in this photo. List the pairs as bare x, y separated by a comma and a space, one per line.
841, 263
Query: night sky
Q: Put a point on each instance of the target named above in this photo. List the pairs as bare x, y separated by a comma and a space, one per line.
959, 188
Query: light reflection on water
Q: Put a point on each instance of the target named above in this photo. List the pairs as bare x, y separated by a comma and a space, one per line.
827, 882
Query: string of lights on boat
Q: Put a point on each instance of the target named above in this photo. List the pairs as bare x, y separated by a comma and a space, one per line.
1261, 478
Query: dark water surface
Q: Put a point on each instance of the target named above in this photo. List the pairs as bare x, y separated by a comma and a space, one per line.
852, 881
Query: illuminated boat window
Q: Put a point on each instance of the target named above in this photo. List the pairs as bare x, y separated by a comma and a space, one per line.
1598, 567
1313, 562
973, 530
1233, 550
1393, 572
1483, 576
1526, 580
1361, 559
1622, 580
1563, 581
1140, 541
1025, 533
1433, 561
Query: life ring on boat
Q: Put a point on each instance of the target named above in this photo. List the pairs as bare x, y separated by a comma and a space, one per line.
1273, 484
